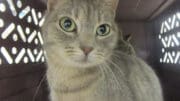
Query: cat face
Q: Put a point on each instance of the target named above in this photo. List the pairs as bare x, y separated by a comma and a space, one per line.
80, 33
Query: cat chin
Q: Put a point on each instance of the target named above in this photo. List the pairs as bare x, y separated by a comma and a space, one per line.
81, 63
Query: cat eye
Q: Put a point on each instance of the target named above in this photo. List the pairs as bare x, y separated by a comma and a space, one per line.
67, 24
103, 30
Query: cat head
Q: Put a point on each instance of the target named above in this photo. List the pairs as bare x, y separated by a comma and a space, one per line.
80, 33
110, 4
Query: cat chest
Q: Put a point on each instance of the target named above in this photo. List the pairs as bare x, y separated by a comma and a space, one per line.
99, 91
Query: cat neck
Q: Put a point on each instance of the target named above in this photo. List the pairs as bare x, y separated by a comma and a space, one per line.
72, 79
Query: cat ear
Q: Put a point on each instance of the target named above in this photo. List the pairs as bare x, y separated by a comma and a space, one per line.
112, 4
51, 4
128, 37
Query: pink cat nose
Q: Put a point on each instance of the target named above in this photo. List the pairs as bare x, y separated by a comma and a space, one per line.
86, 50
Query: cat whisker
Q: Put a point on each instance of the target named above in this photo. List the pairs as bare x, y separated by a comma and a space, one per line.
70, 51
100, 55
101, 68
116, 66
107, 73
70, 54
117, 55
107, 68
38, 87
116, 58
118, 51
69, 48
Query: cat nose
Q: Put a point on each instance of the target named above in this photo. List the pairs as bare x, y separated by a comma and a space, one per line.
86, 50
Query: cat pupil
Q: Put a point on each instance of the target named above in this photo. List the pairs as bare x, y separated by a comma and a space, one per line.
102, 29
67, 24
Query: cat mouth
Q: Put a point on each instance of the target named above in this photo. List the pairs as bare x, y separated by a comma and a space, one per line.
84, 60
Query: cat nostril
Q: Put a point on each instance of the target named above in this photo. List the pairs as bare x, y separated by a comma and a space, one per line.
86, 50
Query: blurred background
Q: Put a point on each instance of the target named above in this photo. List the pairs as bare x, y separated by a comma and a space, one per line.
153, 24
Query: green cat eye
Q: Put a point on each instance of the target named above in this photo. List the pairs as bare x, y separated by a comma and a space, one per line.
103, 30
67, 24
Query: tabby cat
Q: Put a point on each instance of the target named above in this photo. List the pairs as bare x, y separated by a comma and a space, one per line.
84, 64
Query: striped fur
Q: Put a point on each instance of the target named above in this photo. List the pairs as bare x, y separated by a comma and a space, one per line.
108, 74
